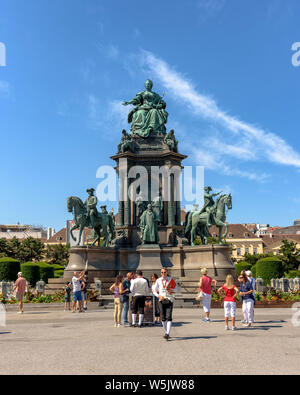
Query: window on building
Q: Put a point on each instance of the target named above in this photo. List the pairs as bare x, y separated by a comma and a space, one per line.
238, 252
246, 250
230, 235
246, 235
254, 250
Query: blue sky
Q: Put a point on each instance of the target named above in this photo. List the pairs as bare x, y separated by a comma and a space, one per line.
225, 67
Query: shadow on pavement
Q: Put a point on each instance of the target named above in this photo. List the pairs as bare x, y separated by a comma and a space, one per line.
262, 327
192, 338
5, 333
180, 323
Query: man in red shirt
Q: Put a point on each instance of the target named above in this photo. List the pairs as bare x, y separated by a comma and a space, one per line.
20, 287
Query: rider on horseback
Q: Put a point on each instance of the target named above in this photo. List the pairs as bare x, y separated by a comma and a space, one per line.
209, 204
91, 206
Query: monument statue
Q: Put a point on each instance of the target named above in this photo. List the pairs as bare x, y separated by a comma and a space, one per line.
209, 204
197, 221
149, 114
158, 205
126, 143
148, 226
91, 206
171, 142
86, 215
141, 206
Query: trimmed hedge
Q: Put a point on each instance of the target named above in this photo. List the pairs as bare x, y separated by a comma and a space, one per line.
46, 271
242, 266
268, 268
57, 267
58, 273
31, 271
9, 269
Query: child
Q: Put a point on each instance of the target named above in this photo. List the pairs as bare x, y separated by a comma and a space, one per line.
67, 290
230, 291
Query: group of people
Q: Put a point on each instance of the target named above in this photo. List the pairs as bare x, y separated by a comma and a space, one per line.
230, 292
162, 288
79, 284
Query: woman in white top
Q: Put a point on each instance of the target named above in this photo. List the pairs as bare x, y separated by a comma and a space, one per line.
165, 292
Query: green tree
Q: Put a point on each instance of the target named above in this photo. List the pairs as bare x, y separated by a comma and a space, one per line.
31, 250
3, 247
13, 248
57, 254
253, 258
290, 255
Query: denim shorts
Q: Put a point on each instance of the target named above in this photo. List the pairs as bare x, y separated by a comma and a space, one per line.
84, 295
77, 296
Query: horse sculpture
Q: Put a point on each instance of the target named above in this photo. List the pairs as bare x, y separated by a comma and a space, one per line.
197, 223
103, 225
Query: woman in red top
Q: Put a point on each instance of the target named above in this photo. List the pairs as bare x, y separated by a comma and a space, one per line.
229, 291
205, 287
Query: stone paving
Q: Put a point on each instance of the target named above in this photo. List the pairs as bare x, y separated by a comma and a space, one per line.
57, 342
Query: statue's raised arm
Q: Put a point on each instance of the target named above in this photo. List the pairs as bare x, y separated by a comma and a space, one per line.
149, 114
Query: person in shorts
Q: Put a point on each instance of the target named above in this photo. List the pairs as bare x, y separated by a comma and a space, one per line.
67, 290
77, 297
139, 290
20, 288
229, 291
84, 287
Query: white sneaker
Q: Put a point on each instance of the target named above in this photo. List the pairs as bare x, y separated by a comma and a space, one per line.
115, 325
233, 328
119, 325
226, 328
243, 321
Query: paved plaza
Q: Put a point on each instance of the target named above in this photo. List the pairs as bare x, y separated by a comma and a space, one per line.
48, 341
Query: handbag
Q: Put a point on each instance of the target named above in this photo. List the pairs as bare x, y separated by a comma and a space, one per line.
199, 296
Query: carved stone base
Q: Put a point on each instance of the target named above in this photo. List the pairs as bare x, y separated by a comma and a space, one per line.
183, 261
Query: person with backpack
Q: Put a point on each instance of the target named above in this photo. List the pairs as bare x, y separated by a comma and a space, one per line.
229, 291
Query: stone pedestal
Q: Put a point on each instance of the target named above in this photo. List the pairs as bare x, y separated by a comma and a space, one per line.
149, 259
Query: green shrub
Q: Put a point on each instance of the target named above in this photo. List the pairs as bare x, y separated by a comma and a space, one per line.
292, 274
58, 273
242, 266
31, 271
57, 267
253, 270
9, 269
46, 271
268, 268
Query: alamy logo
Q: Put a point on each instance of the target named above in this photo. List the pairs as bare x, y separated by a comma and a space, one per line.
296, 56
2, 315
2, 55
296, 316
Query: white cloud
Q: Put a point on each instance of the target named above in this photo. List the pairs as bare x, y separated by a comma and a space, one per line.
251, 140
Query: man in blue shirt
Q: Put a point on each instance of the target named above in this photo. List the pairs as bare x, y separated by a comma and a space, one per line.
125, 297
